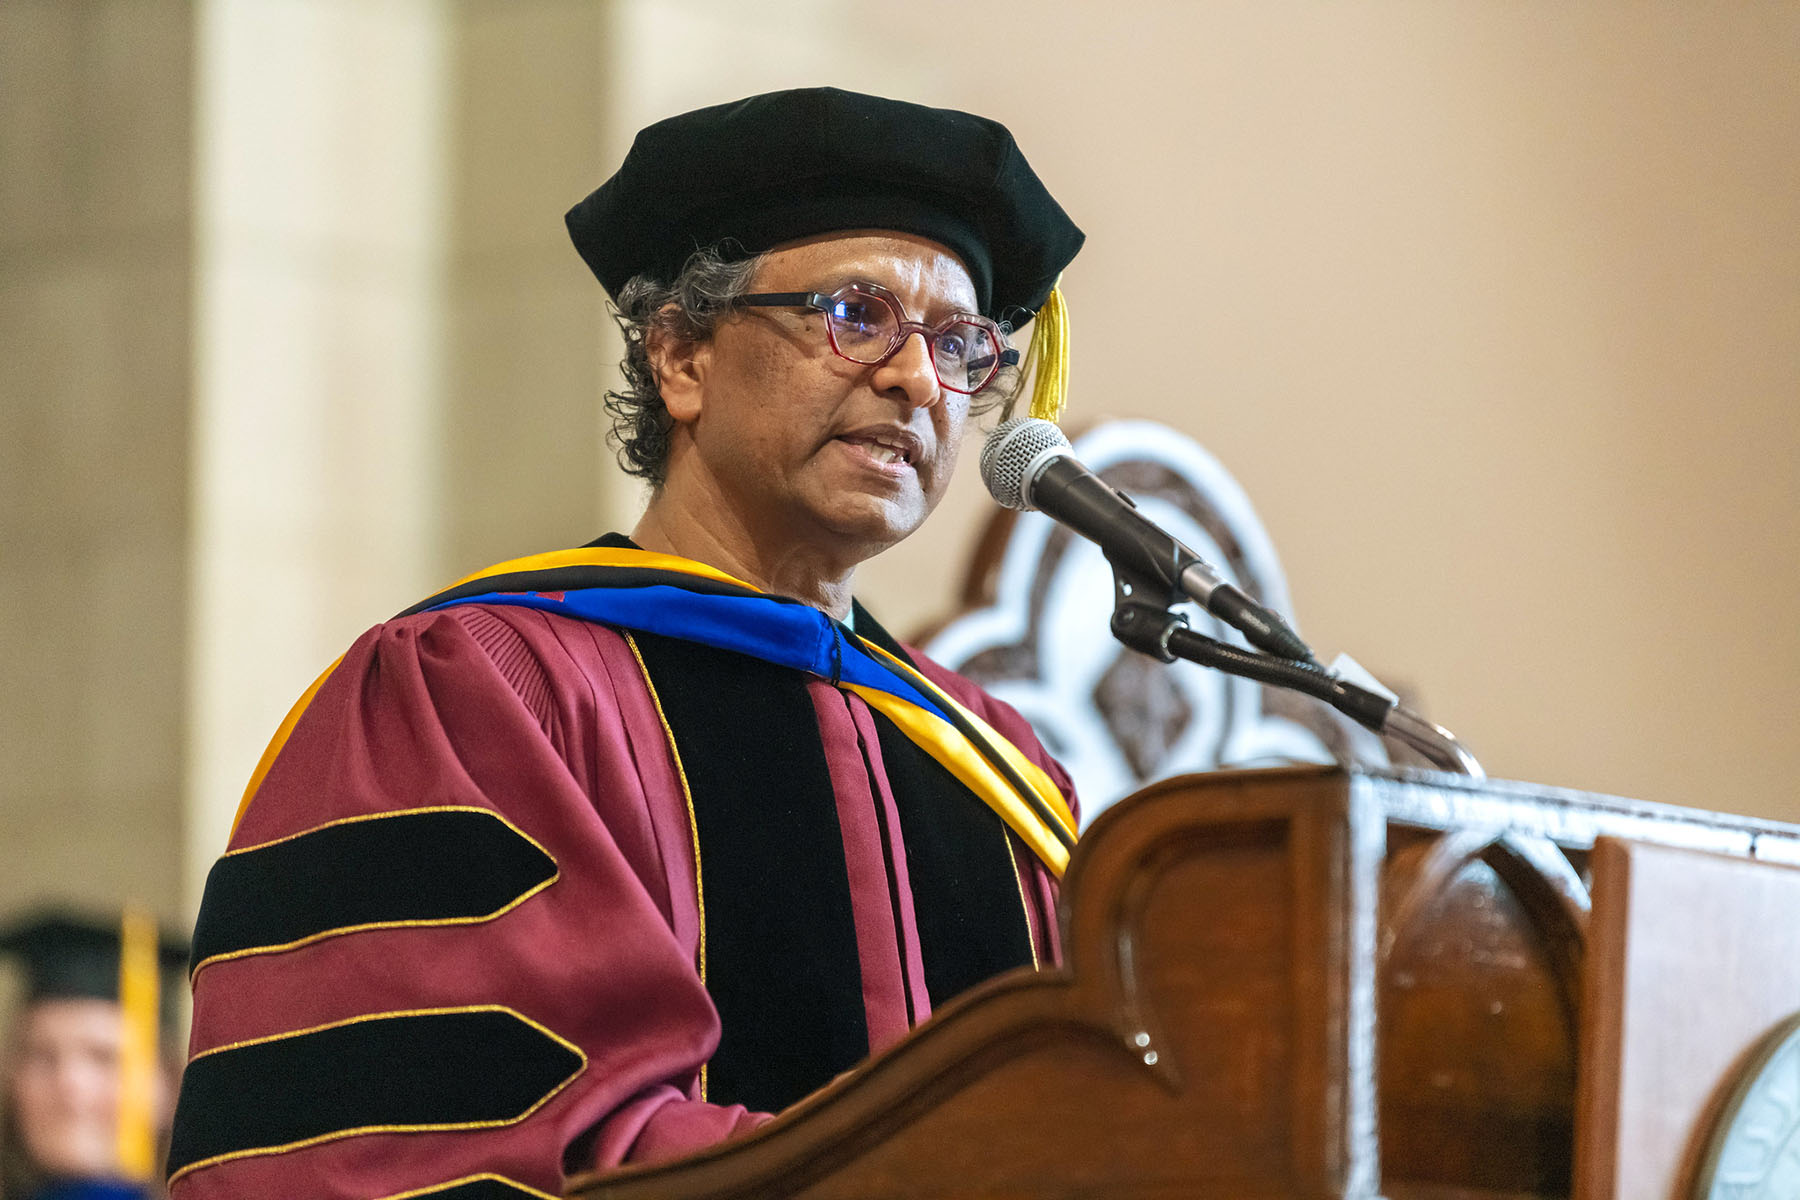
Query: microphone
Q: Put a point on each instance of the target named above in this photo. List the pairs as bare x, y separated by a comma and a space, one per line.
1028, 464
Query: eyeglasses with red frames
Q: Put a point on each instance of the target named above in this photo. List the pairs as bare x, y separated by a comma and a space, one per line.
867, 324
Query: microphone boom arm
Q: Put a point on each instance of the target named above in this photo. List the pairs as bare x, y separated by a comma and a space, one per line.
1143, 621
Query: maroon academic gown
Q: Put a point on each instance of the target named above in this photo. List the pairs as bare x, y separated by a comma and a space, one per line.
547, 721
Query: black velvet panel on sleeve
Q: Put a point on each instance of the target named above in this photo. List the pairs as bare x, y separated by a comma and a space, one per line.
417, 867
435, 1069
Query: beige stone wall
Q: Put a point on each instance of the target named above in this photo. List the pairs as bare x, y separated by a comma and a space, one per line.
1493, 308
94, 347
1495, 311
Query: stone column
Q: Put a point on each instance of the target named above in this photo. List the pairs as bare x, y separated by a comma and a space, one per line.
94, 372
397, 368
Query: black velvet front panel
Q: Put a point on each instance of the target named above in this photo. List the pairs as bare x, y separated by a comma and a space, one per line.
972, 922
781, 952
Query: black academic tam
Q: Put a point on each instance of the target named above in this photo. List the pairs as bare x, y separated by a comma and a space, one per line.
753, 174
67, 955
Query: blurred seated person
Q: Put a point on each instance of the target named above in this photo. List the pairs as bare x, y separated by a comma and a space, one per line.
88, 1094
607, 854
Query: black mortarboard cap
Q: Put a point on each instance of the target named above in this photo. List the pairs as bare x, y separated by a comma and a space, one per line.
787, 165
66, 954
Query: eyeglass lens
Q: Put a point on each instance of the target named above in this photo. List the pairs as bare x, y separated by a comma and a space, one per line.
866, 328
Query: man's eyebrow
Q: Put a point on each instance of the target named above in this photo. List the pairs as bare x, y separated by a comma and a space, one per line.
844, 278
828, 284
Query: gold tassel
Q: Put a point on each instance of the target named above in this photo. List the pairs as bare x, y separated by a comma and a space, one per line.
138, 988
1047, 360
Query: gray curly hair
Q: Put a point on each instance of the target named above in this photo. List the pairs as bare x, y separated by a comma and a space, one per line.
690, 309
687, 310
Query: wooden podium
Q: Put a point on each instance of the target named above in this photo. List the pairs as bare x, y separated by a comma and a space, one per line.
1306, 983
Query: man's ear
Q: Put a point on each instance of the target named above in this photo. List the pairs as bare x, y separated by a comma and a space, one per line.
680, 368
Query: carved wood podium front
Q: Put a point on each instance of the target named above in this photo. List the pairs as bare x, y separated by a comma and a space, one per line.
1292, 983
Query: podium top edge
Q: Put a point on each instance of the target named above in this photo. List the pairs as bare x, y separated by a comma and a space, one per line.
1567, 816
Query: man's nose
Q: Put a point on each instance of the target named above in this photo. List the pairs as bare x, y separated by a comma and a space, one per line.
909, 369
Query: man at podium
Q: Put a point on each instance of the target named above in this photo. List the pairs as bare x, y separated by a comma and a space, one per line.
602, 855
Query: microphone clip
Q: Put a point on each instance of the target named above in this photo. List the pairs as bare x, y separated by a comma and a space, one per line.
1143, 617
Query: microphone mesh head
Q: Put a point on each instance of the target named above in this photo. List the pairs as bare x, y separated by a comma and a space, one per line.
1009, 451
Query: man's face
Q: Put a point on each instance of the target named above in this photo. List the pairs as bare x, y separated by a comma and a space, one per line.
65, 1086
808, 448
